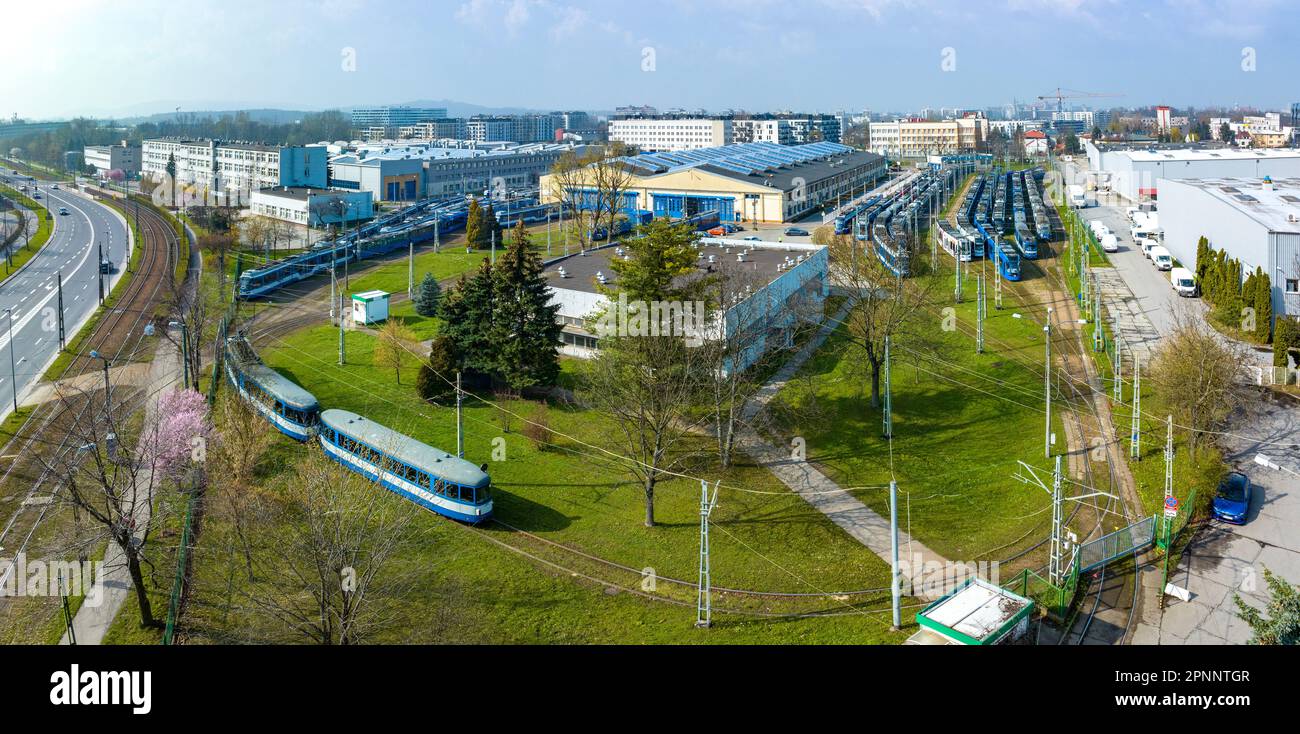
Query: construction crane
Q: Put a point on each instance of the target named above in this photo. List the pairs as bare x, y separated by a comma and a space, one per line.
1064, 94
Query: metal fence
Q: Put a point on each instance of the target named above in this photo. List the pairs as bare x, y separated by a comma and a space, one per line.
1122, 542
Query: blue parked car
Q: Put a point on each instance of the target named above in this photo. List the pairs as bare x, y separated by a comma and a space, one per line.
1232, 499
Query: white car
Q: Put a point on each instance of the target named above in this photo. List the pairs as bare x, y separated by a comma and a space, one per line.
1110, 243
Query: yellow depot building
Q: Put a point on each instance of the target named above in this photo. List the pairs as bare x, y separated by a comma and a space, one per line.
750, 182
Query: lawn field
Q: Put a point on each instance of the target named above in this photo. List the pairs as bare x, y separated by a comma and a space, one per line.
961, 421
573, 494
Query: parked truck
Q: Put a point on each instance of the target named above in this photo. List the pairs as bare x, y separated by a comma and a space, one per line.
1078, 197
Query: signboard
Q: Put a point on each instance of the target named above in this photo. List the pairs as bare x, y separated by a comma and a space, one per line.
1178, 591
1171, 507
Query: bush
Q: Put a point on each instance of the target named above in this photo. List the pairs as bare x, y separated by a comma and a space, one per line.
538, 429
436, 381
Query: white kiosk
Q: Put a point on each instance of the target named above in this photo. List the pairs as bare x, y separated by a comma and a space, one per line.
369, 307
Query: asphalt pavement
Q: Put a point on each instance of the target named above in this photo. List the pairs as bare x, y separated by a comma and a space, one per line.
29, 298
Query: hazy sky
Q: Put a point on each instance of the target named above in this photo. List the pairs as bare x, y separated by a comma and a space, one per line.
119, 57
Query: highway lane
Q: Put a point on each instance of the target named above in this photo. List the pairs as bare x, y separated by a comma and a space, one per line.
32, 293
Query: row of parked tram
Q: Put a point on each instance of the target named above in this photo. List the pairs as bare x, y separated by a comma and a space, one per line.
434, 479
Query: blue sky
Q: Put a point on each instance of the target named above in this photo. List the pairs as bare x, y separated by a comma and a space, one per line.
113, 57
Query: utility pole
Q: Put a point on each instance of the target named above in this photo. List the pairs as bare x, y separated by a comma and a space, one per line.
100, 268
342, 318
997, 284
1057, 522
548, 234
1119, 370
981, 307
956, 272
437, 243
704, 597
410, 271
1135, 433
494, 246
888, 427
63, 344
895, 590
1169, 474
1047, 383
460, 431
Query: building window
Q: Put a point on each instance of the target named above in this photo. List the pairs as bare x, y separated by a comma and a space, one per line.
1292, 286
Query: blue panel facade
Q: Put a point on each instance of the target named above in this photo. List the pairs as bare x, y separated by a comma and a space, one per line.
303, 166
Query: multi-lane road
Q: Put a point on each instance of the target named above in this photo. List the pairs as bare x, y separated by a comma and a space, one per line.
32, 294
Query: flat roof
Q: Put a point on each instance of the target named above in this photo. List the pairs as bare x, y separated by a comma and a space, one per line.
977, 610
1272, 209
300, 193
1217, 154
763, 260
369, 295
766, 163
446, 149
404, 448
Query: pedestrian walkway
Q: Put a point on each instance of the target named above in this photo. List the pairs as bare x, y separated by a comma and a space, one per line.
91, 623
827, 497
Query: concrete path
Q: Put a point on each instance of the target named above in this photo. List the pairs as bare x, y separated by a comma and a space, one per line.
1224, 560
91, 623
925, 569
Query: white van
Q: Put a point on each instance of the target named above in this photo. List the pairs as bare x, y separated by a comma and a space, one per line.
1109, 243
1162, 258
1184, 282
1147, 246
1097, 226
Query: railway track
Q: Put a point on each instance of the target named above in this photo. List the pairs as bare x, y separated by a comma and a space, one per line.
120, 332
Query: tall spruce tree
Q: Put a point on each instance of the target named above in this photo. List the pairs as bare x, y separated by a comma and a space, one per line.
526, 332
427, 295
491, 229
474, 224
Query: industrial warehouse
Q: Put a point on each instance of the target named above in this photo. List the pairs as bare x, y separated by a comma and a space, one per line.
1256, 221
751, 182
1134, 170
780, 283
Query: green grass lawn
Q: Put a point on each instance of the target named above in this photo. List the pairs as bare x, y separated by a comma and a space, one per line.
955, 446
44, 228
765, 539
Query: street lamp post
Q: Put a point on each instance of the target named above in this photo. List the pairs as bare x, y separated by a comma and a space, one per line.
13, 372
107, 401
185, 349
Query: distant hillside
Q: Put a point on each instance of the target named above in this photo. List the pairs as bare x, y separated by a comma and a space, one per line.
269, 116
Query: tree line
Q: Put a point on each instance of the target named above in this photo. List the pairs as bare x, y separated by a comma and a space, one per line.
1222, 286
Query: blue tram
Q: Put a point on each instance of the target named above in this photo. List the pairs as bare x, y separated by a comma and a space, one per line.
288, 407
1008, 260
1026, 241
433, 479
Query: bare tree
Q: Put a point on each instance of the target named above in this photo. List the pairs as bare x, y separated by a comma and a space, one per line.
568, 183
648, 385
325, 558
881, 304
116, 486
1196, 376
395, 341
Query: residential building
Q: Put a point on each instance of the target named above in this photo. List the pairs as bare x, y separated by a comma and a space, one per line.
394, 116
917, 138
669, 134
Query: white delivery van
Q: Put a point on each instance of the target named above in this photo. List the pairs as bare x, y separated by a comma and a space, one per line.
1162, 259
1097, 227
1110, 243
1184, 281
1147, 246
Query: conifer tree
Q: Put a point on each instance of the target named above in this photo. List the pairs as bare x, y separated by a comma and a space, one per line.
427, 295
525, 328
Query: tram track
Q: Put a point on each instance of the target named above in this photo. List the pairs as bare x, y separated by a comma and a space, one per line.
119, 332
